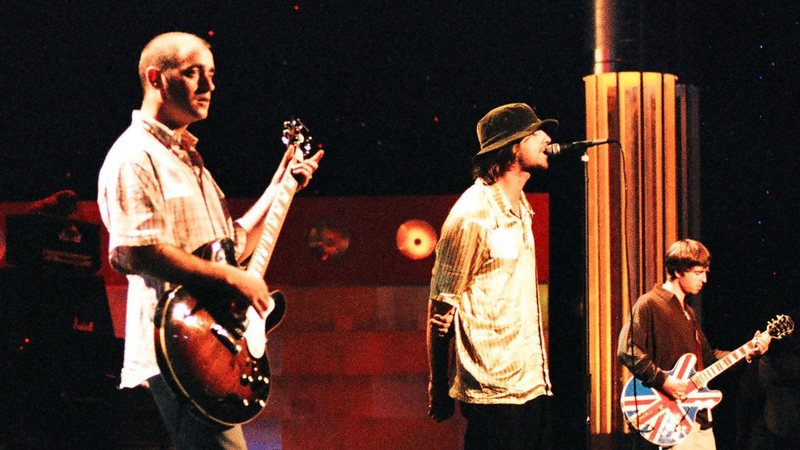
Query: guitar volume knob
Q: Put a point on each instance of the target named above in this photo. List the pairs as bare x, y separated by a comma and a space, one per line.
245, 380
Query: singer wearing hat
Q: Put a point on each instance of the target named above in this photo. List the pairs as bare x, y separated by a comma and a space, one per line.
484, 297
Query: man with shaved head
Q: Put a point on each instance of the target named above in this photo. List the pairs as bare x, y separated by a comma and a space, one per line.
160, 203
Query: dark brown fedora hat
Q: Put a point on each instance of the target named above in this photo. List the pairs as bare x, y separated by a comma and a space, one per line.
508, 123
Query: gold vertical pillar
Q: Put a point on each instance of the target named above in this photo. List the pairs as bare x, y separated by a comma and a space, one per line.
632, 215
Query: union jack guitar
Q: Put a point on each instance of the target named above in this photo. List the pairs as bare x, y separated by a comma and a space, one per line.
665, 421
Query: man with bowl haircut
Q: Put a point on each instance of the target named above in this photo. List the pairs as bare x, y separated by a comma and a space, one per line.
664, 327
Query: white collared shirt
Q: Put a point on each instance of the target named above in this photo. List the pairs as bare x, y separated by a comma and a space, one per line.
153, 189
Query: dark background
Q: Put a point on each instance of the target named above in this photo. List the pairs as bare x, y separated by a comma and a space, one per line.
393, 90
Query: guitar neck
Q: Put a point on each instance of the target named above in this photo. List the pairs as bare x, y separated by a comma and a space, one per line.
702, 378
273, 222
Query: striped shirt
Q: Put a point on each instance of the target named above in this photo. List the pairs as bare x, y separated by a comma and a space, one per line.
154, 189
486, 267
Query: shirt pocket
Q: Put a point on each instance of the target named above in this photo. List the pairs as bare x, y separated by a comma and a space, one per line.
178, 184
505, 243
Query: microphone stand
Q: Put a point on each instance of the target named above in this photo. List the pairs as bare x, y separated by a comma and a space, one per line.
587, 349
573, 301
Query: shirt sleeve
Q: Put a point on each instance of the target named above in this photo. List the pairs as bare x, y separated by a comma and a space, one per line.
635, 347
135, 204
239, 239
457, 258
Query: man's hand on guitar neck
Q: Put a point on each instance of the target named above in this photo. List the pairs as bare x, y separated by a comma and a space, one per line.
761, 342
303, 170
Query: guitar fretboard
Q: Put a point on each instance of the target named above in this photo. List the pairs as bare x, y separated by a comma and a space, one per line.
272, 225
701, 379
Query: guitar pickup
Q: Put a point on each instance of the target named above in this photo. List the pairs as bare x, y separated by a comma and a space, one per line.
222, 334
241, 328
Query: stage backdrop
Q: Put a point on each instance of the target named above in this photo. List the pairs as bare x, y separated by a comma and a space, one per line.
367, 225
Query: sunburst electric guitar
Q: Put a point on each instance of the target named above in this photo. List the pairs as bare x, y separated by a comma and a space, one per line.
213, 351
665, 421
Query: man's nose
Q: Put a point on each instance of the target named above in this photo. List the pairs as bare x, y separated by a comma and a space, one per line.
206, 83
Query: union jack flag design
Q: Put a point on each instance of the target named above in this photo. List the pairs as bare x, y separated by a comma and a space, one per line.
665, 421
659, 418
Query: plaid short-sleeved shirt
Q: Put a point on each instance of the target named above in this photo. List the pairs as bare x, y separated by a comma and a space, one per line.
485, 265
154, 189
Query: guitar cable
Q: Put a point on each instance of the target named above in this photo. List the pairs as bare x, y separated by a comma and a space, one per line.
631, 300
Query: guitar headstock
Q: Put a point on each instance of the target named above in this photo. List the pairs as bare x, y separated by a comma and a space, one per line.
780, 326
297, 134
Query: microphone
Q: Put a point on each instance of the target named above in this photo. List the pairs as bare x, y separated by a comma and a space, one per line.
557, 149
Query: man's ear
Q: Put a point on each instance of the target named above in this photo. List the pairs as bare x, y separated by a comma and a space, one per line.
153, 77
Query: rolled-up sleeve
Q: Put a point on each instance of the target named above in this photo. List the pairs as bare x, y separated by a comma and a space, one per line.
132, 204
457, 256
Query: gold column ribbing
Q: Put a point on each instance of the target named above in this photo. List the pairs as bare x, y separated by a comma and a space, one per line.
632, 215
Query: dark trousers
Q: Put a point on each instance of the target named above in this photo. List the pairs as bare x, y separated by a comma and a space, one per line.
508, 427
186, 429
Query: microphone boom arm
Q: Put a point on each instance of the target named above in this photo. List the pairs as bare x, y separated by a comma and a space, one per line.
557, 149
